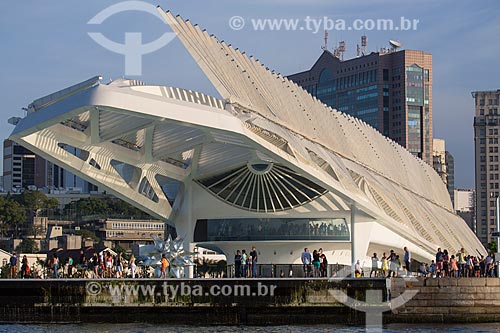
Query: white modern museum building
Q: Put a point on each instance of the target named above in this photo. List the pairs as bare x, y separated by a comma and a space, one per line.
268, 165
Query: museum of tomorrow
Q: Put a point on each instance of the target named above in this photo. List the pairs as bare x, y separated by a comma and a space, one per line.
268, 166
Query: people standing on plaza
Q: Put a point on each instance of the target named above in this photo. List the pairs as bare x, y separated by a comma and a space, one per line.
422, 270
385, 265
393, 266
469, 267
109, 264
244, 261
306, 259
439, 262
249, 264
132, 266
24, 267
374, 265
462, 261
407, 260
433, 269
399, 268
446, 263
83, 260
453, 266
70, 266
237, 264
254, 256
489, 265
316, 263
358, 271
55, 265
13, 266
119, 265
94, 265
478, 262
323, 263
163, 268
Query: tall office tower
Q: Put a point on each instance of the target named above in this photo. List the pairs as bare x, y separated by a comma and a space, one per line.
465, 206
391, 90
450, 181
444, 164
22, 168
486, 126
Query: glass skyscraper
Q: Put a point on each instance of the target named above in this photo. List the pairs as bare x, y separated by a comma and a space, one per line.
391, 91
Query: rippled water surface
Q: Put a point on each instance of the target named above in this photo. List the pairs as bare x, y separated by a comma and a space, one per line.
146, 328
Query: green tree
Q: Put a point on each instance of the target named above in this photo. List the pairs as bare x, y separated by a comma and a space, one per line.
492, 247
27, 246
36, 201
102, 207
12, 216
87, 207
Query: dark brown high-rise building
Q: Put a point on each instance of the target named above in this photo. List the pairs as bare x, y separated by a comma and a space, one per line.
486, 127
391, 91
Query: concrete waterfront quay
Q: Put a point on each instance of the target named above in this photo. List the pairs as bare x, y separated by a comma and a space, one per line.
448, 300
250, 301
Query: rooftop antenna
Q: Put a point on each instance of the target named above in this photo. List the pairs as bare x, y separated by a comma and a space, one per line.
342, 49
363, 44
325, 46
336, 52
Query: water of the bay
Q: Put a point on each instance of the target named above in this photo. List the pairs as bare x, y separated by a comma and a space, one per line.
147, 328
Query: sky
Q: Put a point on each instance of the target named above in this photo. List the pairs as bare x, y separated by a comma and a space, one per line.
46, 47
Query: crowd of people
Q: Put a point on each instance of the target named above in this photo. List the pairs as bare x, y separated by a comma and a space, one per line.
315, 264
106, 264
458, 265
387, 266
245, 265
445, 265
99, 265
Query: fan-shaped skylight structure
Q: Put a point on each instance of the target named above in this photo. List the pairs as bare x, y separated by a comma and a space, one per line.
263, 187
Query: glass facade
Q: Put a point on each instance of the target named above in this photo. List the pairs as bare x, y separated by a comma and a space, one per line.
392, 92
265, 229
355, 94
415, 104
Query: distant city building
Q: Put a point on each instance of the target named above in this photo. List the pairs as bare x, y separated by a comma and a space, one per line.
126, 233
486, 126
450, 167
22, 169
444, 164
390, 90
18, 166
464, 203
